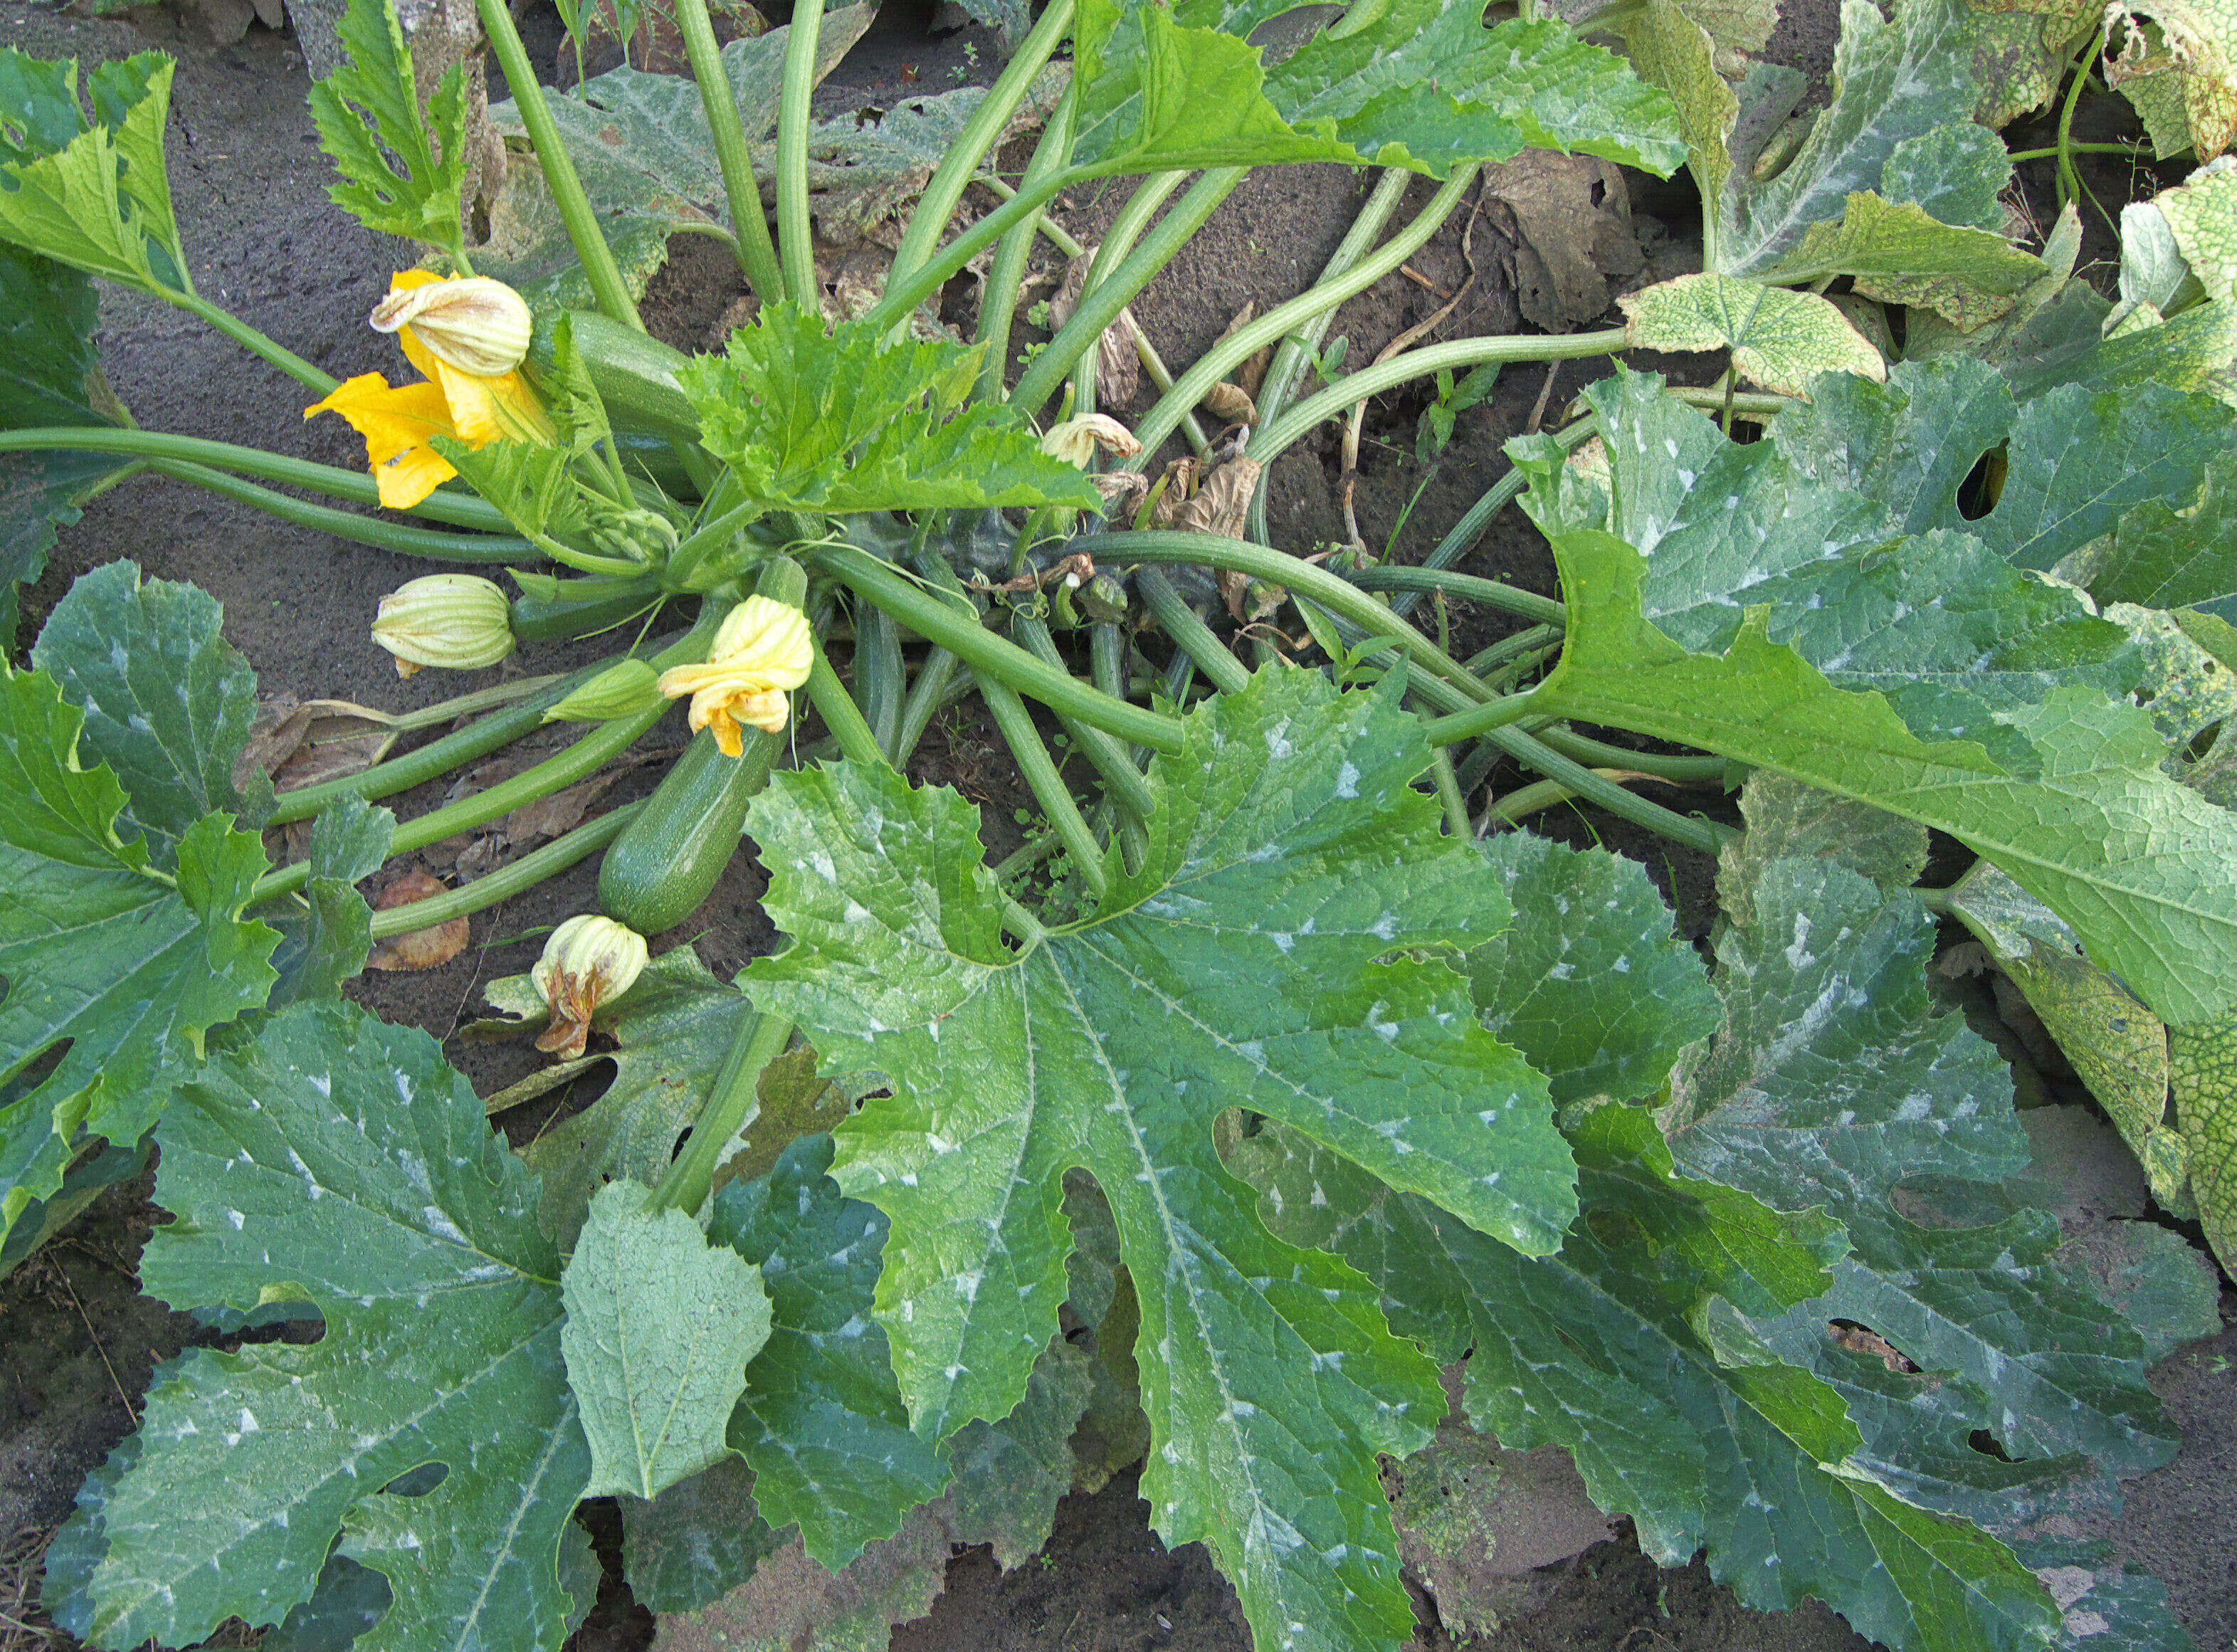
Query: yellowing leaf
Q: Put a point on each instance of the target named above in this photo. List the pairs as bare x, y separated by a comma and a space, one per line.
2200, 39
2202, 213
1779, 340
1900, 254
2202, 1065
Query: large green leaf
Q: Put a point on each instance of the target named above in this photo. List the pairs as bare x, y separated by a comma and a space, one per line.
93, 195
1921, 676
1938, 623
402, 175
822, 1423
50, 374
836, 420
660, 1324
126, 965
1273, 952
167, 700
1416, 83
1589, 983
1631, 1347
2174, 552
2074, 808
1897, 1121
2075, 461
343, 1162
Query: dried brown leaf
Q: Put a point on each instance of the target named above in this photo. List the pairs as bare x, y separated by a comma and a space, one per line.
1569, 221
428, 948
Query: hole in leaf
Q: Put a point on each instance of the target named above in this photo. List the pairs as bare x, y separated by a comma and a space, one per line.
37, 1071
418, 1483
1983, 485
1986, 1443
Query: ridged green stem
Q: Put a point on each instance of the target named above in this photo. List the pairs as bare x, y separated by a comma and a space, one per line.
934, 620
732, 1101
1188, 631
1598, 754
568, 197
460, 510
755, 252
1279, 434
1117, 240
1465, 587
795, 246
1284, 319
255, 342
1016, 724
925, 697
903, 295
935, 206
1109, 757
998, 305
348, 525
515, 877
1047, 373
1332, 591
1702, 835
1288, 366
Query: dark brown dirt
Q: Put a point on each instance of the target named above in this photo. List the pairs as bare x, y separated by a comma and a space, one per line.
77, 1341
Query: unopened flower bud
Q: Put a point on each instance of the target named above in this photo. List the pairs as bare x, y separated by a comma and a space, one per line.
459, 621
622, 690
589, 962
477, 325
1076, 440
640, 535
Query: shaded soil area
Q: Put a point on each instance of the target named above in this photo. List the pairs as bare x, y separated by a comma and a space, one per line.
77, 1340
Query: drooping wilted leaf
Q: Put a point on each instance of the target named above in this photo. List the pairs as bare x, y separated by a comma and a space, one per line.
660, 1324
344, 1162
843, 421
1897, 1122
2194, 44
1894, 79
1779, 340
1266, 955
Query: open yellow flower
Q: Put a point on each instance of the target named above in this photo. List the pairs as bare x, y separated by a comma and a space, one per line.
397, 421
761, 650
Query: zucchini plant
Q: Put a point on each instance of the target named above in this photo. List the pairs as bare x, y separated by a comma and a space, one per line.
1330, 1081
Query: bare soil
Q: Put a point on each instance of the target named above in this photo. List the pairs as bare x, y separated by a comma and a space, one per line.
76, 1340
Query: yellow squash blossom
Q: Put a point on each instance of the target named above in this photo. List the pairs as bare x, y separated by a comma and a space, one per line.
761, 650
397, 421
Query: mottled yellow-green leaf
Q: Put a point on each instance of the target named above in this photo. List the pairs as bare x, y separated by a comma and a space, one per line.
2200, 39
2191, 690
2203, 1065
2202, 214
1900, 254
2157, 99
1779, 340
2014, 68
1672, 50
2119, 1047
2167, 1167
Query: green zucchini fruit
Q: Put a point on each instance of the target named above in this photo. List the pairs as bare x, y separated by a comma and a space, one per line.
635, 373
669, 859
